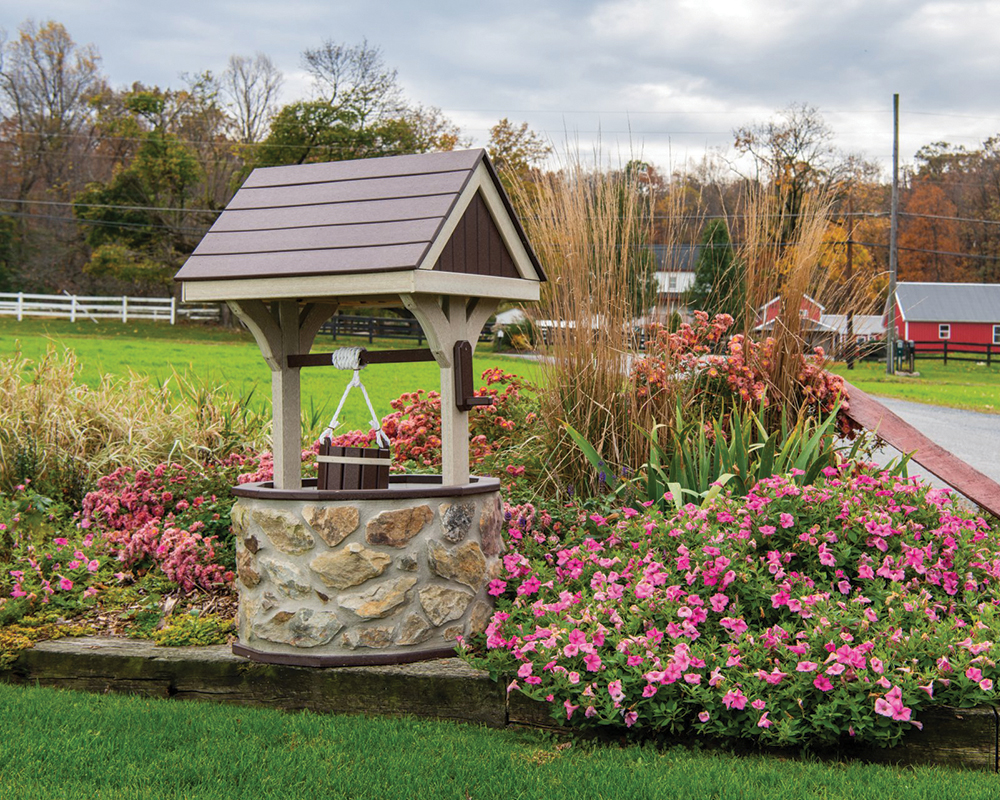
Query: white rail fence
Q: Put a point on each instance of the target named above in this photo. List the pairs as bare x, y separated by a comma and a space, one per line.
79, 307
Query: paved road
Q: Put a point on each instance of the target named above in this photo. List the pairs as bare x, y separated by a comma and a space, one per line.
972, 436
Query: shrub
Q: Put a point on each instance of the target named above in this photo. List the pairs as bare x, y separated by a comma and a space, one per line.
62, 434
174, 518
795, 615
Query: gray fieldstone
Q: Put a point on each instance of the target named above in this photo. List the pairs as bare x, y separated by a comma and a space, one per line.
407, 563
247, 568
480, 617
442, 604
288, 579
268, 601
304, 628
452, 633
381, 601
285, 530
414, 630
456, 520
332, 523
396, 528
491, 528
239, 520
251, 543
349, 566
465, 564
378, 636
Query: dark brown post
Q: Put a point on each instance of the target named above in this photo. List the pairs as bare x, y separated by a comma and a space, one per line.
946, 352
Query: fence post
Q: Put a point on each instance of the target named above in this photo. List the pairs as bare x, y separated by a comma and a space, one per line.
72, 308
371, 329
20, 306
946, 352
173, 310
124, 308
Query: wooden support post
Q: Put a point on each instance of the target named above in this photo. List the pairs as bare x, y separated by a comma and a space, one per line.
281, 331
445, 321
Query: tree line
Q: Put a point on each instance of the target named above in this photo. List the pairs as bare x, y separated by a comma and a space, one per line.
109, 189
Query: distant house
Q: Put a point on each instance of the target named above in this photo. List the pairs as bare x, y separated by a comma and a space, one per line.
963, 313
813, 329
674, 278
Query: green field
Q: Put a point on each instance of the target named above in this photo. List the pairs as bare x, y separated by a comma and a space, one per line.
230, 358
967, 385
60, 744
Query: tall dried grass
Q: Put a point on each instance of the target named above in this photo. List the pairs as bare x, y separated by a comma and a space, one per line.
63, 434
783, 256
590, 228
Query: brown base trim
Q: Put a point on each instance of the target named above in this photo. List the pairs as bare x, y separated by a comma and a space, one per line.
374, 660
400, 487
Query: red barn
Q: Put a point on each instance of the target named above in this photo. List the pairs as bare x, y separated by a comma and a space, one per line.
808, 309
962, 314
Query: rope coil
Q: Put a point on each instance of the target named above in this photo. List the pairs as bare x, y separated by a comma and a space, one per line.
350, 358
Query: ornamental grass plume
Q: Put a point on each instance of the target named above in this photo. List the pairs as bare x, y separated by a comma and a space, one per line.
591, 228
62, 434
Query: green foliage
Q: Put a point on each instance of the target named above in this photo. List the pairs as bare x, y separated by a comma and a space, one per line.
318, 130
136, 223
194, 629
718, 283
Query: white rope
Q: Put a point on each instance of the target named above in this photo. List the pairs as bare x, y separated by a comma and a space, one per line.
342, 356
347, 358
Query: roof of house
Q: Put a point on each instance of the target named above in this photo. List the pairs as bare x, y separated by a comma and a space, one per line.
949, 302
675, 257
435, 211
863, 324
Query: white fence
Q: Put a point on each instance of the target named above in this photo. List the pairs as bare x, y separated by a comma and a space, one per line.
74, 307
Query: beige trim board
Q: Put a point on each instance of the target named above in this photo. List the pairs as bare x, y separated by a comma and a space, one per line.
372, 285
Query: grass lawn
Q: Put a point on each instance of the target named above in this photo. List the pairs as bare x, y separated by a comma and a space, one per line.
959, 384
60, 744
230, 358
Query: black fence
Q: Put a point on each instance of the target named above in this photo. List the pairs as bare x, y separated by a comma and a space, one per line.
943, 350
382, 328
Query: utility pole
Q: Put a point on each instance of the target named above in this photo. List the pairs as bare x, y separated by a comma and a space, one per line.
850, 283
890, 322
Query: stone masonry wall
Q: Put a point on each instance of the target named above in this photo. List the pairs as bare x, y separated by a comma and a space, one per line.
343, 578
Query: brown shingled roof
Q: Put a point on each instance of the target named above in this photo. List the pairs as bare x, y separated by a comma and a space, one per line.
367, 216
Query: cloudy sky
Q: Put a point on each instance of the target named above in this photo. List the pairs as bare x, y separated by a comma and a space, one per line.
664, 78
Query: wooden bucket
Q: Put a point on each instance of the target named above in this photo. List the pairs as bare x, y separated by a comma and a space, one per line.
352, 467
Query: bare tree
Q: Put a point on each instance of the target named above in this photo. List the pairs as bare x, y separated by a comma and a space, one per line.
251, 85
355, 78
46, 81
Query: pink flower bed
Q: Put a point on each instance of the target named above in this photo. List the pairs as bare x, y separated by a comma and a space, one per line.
793, 615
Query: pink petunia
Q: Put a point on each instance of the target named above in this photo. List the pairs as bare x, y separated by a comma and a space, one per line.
823, 683
704, 716
592, 661
806, 666
764, 722
786, 520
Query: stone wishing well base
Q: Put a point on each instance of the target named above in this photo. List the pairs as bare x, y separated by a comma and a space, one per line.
390, 576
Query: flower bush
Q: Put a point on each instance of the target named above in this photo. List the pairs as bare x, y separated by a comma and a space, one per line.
173, 517
795, 615
44, 559
688, 361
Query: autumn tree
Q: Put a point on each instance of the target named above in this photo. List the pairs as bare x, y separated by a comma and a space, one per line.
929, 236
46, 83
516, 150
794, 153
140, 225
